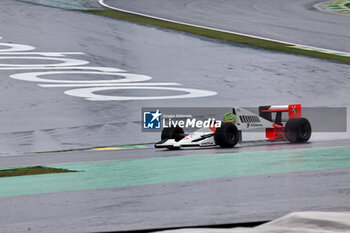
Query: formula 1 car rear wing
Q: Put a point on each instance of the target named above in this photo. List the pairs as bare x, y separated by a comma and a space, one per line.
294, 111
278, 131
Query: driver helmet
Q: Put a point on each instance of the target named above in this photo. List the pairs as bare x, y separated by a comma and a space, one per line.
229, 117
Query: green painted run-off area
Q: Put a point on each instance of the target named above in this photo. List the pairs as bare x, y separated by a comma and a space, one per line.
108, 174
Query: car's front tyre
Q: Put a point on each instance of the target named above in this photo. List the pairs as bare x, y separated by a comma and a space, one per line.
176, 133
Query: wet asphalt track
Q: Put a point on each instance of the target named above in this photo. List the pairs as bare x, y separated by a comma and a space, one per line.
203, 202
47, 159
291, 21
51, 120
216, 201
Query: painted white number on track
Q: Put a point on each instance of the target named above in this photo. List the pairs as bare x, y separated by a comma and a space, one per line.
57, 64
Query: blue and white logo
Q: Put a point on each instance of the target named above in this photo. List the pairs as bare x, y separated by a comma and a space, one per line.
152, 120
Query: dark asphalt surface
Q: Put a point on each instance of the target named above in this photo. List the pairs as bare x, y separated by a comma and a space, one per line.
51, 120
206, 202
193, 203
44, 119
295, 21
150, 152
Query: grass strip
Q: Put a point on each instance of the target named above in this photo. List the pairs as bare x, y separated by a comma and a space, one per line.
224, 36
27, 171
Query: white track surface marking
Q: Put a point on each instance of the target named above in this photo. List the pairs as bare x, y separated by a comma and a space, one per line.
101, 2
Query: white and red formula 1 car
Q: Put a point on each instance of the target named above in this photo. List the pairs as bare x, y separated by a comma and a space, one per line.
295, 130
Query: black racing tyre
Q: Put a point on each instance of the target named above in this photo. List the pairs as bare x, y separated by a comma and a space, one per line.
227, 135
298, 130
176, 133
166, 133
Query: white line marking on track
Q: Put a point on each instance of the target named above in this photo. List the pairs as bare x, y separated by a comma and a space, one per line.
102, 3
328, 51
45, 54
65, 62
15, 47
88, 93
110, 84
102, 69
70, 66
125, 77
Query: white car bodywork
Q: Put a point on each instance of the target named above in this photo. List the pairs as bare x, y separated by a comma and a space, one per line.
245, 120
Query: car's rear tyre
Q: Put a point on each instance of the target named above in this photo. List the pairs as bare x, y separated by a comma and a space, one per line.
176, 133
227, 135
298, 130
